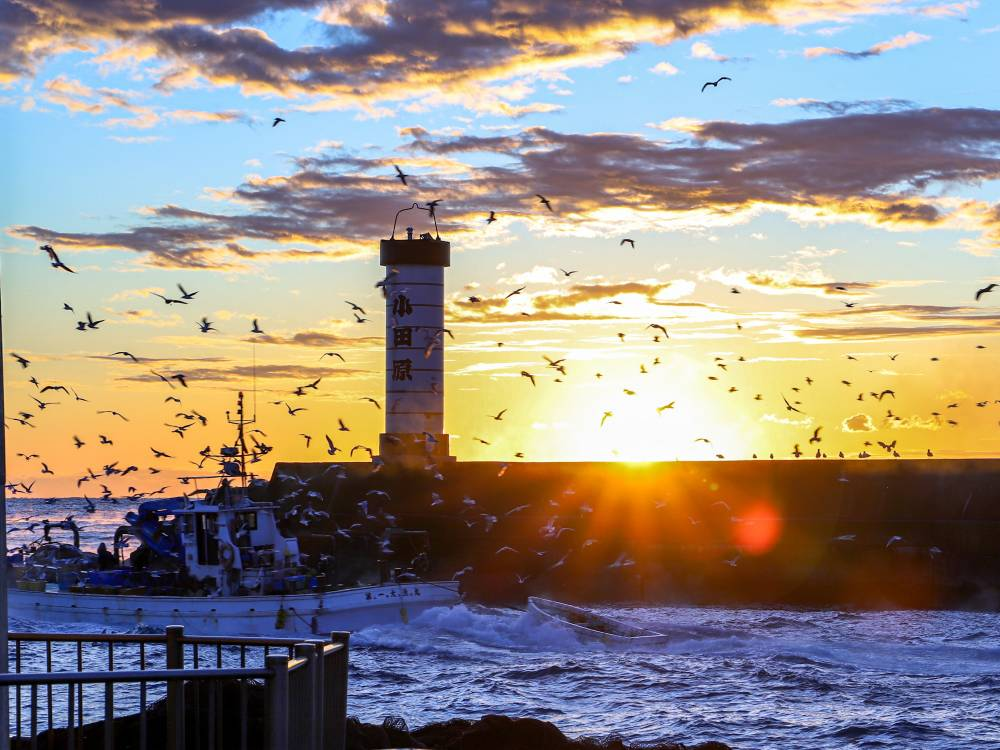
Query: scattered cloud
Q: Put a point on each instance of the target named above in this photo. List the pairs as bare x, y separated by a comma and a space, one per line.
873, 322
664, 69
880, 169
391, 50
245, 372
315, 339
949, 10
136, 138
797, 279
702, 51
858, 423
897, 42
862, 106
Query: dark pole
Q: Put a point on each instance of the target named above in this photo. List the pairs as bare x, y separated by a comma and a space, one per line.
4, 724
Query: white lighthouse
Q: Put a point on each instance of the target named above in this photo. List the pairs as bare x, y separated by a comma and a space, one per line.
414, 347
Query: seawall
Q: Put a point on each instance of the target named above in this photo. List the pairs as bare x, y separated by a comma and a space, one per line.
921, 533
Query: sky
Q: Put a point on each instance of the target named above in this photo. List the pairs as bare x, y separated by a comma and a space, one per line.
811, 233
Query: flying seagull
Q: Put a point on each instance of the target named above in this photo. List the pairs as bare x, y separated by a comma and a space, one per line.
185, 294
516, 291
715, 83
54, 258
985, 290
544, 201
629, 241
168, 300
492, 217
400, 174
277, 120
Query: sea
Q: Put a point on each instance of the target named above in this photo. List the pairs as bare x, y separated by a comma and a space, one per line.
748, 677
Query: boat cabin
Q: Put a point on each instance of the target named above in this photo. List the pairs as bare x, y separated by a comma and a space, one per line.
233, 543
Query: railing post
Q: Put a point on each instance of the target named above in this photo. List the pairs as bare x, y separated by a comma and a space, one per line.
309, 703
335, 693
277, 701
319, 692
175, 688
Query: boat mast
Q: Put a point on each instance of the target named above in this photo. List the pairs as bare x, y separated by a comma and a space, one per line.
241, 442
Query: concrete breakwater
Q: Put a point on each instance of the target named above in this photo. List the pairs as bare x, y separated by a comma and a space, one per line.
913, 533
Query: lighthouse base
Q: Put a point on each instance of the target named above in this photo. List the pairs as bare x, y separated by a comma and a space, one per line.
414, 448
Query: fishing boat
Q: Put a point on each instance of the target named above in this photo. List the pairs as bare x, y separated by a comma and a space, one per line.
589, 625
219, 564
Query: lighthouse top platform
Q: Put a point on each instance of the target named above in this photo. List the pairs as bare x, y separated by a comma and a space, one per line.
423, 251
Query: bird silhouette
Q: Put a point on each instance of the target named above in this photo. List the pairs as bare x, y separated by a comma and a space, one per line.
544, 201
400, 174
627, 241
169, 300
54, 258
256, 328
277, 121
985, 290
491, 218
185, 294
715, 83
330, 447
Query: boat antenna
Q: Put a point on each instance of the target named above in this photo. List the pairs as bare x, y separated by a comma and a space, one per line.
254, 349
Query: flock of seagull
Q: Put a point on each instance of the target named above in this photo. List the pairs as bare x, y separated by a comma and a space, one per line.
374, 508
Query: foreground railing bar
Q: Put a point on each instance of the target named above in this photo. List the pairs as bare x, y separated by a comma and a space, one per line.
70, 718
109, 716
79, 688
174, 656
142, 698
243, 715
196, 689
151, 675
48, 668
34, 717
154, 638
17, 669
88, 637
277, 696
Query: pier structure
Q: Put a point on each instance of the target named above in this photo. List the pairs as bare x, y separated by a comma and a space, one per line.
414, 346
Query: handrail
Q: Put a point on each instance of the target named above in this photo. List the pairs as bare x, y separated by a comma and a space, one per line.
146, 675
202, 640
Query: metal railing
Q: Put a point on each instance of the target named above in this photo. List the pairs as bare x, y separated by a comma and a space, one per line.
90, 680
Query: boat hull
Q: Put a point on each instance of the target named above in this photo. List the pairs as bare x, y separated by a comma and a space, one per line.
592, 626
294, 614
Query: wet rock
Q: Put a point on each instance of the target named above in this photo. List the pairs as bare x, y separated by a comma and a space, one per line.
490, 733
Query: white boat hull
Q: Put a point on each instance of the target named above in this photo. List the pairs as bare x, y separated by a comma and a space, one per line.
592, 626
308, 614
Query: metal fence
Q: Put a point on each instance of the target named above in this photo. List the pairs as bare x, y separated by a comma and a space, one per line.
197, 685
